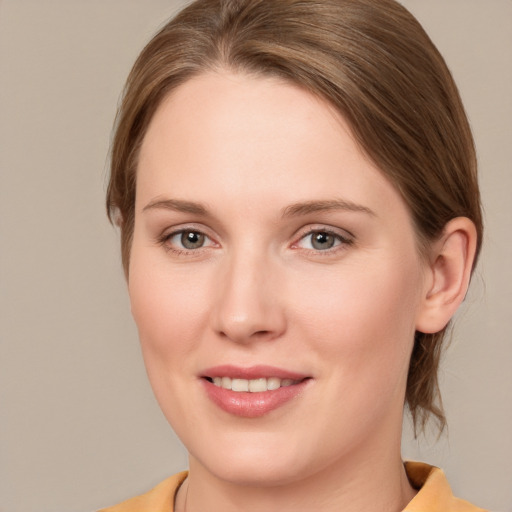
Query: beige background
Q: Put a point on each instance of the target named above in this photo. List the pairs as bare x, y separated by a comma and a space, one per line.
79, 427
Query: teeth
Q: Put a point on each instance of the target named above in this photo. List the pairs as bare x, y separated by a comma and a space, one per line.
256, 385
240, 385
226, 382
273, 383
253, 385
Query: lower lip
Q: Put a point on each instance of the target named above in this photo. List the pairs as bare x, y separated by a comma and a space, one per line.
252, 405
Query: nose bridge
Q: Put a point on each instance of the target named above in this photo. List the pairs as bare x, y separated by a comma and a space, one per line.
248, 305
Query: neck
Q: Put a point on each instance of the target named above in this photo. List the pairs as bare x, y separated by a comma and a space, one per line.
375, 482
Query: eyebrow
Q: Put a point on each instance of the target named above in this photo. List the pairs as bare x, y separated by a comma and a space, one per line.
177, 205
293, 210
307, 207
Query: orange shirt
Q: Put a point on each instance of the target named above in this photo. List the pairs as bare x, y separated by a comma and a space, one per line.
434, 494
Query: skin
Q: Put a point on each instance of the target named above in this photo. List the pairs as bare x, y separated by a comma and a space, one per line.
268, 163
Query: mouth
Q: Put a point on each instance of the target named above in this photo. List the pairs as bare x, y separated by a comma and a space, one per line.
252, 392
251, 385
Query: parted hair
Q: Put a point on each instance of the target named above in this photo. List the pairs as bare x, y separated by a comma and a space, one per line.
374, 63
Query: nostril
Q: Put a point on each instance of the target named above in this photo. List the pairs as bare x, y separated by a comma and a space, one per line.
261, 334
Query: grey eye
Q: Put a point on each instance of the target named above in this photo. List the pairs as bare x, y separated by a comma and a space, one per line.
320, 240
192, 239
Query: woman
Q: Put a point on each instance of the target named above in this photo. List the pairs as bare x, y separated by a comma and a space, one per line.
295, 183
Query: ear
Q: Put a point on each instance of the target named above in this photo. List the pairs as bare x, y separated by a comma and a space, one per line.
448, 275
117, 217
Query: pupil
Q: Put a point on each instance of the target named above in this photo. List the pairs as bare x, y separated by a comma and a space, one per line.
192, 239
323, 241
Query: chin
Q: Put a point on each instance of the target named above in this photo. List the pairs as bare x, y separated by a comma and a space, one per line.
256, 461
257, 473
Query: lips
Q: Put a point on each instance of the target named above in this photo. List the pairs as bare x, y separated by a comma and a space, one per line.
252, 392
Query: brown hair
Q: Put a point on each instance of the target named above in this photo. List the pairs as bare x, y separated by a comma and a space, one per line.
373, 62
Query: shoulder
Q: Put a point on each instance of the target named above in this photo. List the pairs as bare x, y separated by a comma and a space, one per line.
434, 492
158, 499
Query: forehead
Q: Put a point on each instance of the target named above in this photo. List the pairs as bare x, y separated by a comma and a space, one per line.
245, 137
224, 107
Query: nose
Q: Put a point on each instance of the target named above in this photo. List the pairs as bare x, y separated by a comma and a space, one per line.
250, 303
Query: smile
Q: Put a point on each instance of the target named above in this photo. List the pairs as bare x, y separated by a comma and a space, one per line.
253, 392
252, 385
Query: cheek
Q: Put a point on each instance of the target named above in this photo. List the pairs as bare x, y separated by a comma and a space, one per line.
363, 318
168, 308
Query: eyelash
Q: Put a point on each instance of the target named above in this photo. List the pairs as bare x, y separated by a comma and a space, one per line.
164, 241
341, 242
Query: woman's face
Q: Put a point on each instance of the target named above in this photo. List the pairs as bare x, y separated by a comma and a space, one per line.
271, 256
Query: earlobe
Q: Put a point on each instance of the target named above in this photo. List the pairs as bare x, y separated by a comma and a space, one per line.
117, 217
451, 263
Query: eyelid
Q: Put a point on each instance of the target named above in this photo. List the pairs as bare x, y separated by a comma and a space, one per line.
166, 235
345, 237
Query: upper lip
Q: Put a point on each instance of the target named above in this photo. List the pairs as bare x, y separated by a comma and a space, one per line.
251, 372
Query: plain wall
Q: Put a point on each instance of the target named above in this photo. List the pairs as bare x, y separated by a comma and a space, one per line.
79, 426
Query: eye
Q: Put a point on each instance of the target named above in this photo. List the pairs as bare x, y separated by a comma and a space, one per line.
322, 240
191, 239
186, 240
